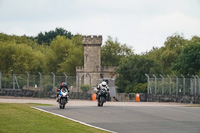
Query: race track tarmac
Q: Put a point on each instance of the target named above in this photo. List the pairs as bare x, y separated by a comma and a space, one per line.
134, 119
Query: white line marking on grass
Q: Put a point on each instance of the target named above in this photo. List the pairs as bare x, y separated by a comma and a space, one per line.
73, 120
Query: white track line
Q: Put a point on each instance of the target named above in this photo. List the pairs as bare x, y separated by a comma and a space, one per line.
74, 120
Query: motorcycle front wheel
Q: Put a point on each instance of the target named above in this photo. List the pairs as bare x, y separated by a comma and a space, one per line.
101, 101
62, 103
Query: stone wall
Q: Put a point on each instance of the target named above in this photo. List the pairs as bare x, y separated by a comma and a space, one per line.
42, 94
195, 99
19, 93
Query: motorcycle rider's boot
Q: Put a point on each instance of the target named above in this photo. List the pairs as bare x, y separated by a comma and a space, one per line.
57, 100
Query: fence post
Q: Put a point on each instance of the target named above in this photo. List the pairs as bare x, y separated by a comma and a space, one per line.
183, 84
176, 84
78, 83
155, 83
40, 79
198, 85
148, 84
191, 86
40, 84
195, 85
53, 79
27, 83
170, 83
162, 83
65, 76
13, 79
0, 81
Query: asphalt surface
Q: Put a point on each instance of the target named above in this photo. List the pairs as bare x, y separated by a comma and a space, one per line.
135, 119
125, 117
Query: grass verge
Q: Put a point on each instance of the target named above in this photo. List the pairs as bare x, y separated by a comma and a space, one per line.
194, 105
20, 118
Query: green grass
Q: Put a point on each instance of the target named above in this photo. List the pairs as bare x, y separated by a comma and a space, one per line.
194, 105
20, 118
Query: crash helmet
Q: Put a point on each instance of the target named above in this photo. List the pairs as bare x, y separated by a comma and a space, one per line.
104, 84
64, 84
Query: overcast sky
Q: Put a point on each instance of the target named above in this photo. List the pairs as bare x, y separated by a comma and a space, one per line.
141, 24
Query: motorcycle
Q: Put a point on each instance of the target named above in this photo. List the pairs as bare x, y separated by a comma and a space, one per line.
63, 98
102, 94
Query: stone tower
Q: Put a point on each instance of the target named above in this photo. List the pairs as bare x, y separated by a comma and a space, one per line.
92, 53
92, 70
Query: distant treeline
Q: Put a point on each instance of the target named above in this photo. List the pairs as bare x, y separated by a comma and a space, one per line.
60, 51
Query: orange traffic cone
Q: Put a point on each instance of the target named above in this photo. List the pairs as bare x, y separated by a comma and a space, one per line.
94, 97
137, 97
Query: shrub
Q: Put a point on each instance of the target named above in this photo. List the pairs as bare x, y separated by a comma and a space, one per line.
7, 82
84, 87
48, 86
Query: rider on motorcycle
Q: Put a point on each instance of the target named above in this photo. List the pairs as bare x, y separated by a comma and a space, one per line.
64, 85
102, 85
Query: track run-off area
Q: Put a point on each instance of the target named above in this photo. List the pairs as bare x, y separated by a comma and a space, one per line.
124, 117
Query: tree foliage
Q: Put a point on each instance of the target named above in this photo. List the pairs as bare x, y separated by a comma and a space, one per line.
20, 57
47, 37
189, 60
132, 71
178, 55
20, 53
113, 52
67, 54
169, 53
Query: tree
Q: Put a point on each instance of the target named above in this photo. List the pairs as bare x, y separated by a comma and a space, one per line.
74, 59
131, 72
173, 47
20, 58
113, 52
189, 60
167, 55
68, 53
47, 37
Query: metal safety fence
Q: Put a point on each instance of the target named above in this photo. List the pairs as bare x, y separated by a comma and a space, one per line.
45, 85
42, 85
42, 82
173, 85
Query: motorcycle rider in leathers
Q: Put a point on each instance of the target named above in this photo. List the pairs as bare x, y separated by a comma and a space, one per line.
101, 86
64, 85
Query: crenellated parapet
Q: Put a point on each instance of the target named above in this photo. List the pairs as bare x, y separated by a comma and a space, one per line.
92, 40
79, 69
